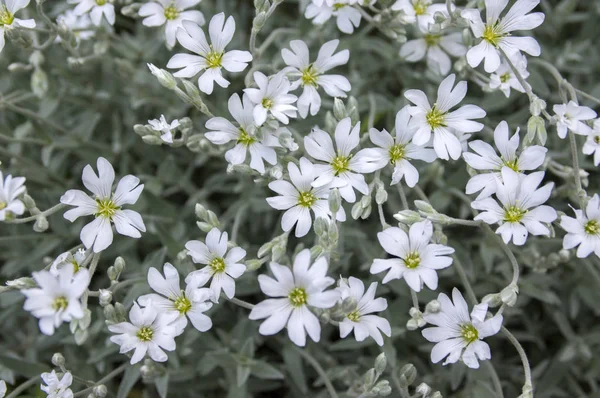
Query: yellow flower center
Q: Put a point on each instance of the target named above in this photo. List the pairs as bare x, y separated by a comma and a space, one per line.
297, 297
396, 153
60, 303
412, 261
514, 214
592, 227
354, 316
435, 118
171, 12
3, 205
306, 199
106, 208
432, 40
597, 139
340, 164
213, 59
512, 164
492, 34
182, 304
100, 2
217, 265
469, 333
145, 334
267, 103
505, 77
337, 6
245, 138
6, 17
420, 7
309, 76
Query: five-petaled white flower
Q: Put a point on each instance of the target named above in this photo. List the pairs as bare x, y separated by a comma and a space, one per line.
170, 13
57, 299
584, 229
522, 211
361, 319
8, 8
342, 168
10, 190
419, 11
347, 17
272, 96
293, 291
222, 131
439, 120
55, 387
68, 259
418, 259
495, 32
164, 127
177, 303
458, 335
570, 117
487, 160
398, 151
299, 197
223, 269
435, 47
105, 206
211, 58
148, 332
592, 143
95, 8
310, 76
504, 78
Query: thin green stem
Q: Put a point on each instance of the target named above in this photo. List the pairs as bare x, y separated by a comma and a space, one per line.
402, 195
316, 366
45, 213
576, 172
106, 378
15, 393
522, 354
239, 302
495, 378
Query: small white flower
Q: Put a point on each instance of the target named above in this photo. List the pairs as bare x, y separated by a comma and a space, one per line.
170, 13
522, 211
2, 388
8, 8
293, 292
504, 79
79, 25
10, 189
570, 116
342, 168
272, 96
495, 32
399, 150
488, 160
211, 58
361, 319
57, 299
148, 332
105, 206
418, 259
311, 76
300, 197
592, 143
458, 335
419, 11
223, 269
584, 230
347, 17
435, 47
222, 131
55, 387
95, 8
439, 120
68, 259
164, 127
177, 303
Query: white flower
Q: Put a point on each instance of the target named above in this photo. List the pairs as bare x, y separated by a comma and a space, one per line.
10, 189
149, 332
223, 269
522, 211
342, 169
435, 47
584, 230
57, 299
164, 127
440, 120
569, 117
504, 78
170, 13
8, 8
96, 8
272, 96
105, 206
347, 17
399, 150
55, 387
311, 75
222, 131
592, 143
487, 160
418, 258
79, 25
2, 388
177, 303
293, 292
495, 32
419, 11
68, 259
300, 197
211, 58
458, 335
361, 319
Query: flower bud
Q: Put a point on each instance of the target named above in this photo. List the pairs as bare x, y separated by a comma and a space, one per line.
200, 211
109, 313
58, 360
380, 363
276, 172
112, 273
433, 307
105, 297
253, 265
259, 21
409, 372
204, 227
492, 300
425, 207
152, 140
381, 196
100, 391
509, 295
407, 216
339, 109
370, 377
119, 264
436, 394
120, 312
278, 252
316, 252
356, 210
412, 324
334, 200
41, 224
164, 77
39, 82
423, 389
536, 106
21, 283
324, 317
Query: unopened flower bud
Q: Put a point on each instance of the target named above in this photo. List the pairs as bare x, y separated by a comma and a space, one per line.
509, 295
100, 391
276, 172
119, 264
433, 307
536, 106
259, 21
58, 359
492, 300
41, 224
407, 216
370, 377
409, 372
425, 207
152, 140
339, 109
436, 394
200, 211
324, 317
164, 77
109, 313
22, 283
380, 363
253, 265
423, 389
334, 200
381, 196
204, 227
105, 297
316, 252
